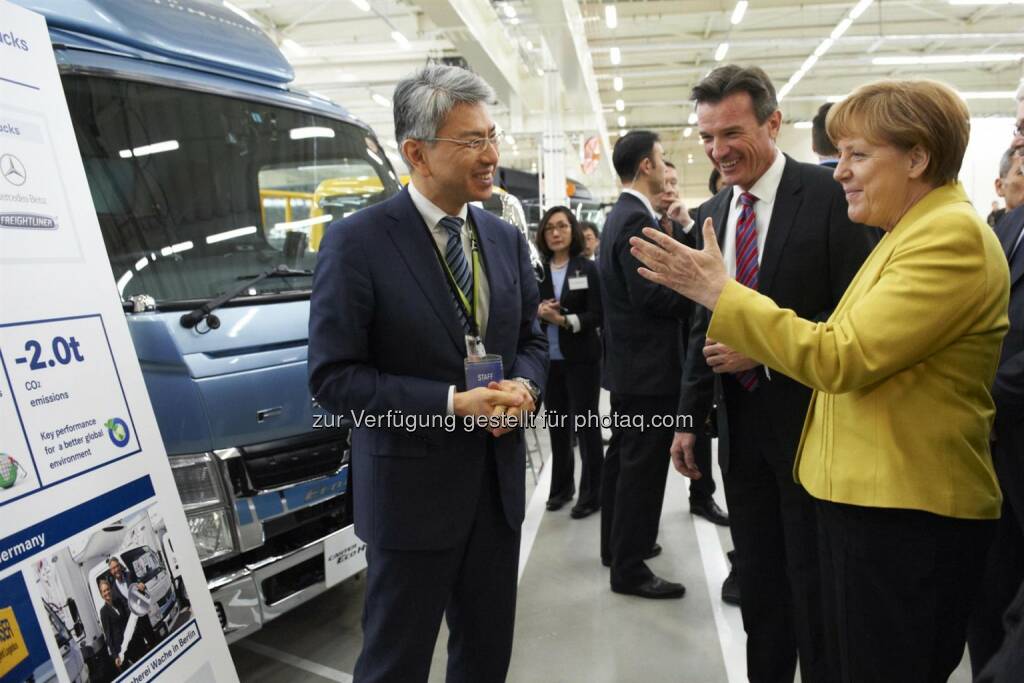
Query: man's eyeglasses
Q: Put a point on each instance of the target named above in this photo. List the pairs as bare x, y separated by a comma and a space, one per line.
476, 144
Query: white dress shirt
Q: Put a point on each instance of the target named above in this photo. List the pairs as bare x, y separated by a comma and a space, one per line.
765, 189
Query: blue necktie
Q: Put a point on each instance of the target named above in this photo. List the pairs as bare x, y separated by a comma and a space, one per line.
459, 266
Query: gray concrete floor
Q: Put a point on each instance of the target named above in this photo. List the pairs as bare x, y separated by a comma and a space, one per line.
570, 627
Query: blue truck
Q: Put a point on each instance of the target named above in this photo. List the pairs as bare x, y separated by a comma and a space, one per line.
204, 165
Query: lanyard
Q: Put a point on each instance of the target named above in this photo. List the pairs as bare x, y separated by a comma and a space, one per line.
460, 296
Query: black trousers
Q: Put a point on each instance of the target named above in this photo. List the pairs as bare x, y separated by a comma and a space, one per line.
899, 588
702, 489
572, 393
472, 583
1007, 664
774, 530
1004, 573
633, 484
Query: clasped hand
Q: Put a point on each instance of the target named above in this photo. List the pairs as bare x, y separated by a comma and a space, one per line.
507, 399
549, 311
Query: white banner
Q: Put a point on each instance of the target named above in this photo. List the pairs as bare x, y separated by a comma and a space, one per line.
99, 579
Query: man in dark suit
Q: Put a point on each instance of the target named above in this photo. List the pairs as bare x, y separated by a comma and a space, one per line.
783, 229
642, 359
401, 290
1005, 571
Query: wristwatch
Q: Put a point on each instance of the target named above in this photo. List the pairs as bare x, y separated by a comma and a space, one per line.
530, 386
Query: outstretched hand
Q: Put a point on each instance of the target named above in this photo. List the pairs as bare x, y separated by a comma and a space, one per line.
697, 275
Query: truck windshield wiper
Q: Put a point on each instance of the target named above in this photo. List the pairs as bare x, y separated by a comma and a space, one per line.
205, 312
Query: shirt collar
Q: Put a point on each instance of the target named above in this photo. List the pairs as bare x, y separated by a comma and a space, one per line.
767, 186
644, 199
431, 212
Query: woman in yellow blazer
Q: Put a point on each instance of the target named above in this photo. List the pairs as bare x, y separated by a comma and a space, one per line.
895, 446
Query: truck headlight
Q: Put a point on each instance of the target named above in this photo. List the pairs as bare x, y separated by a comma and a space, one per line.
197, 481
211, 533
206, 505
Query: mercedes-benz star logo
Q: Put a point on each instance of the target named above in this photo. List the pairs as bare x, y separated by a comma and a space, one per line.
12, 170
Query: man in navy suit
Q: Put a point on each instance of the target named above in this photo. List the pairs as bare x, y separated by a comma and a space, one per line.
643, 356
1005, 571
400, 290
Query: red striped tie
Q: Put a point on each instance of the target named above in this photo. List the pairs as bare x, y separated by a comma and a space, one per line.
746, 265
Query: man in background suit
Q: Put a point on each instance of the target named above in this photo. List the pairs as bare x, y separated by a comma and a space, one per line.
399, 287
783, 229
1005, 571
642, 359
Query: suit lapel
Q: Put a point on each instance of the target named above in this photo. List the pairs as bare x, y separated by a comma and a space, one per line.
412, 239
787, 203
720, 216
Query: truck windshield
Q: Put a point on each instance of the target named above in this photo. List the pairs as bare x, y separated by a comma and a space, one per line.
195, 191
143, 562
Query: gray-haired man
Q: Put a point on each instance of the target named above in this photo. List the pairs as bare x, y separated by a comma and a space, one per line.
401, 291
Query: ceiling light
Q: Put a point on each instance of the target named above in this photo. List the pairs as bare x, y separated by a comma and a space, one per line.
293, 47
611, 16
230, 234
803, 124
622, 132
622, 122
397, 36
540, 72
692, 118
840, 29
510, 140
616, 56
509, 10
240, 12
529, 44
514, 21
687, 132
824, 47
362, 4
381, 100
617, 83
145, 150
737, 14
860, 8
989, 95
620, 104
723, 48
947, 59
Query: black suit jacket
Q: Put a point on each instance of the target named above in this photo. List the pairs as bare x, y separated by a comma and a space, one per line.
811, 254
113, 618
642, 321
583, 346
1008, 389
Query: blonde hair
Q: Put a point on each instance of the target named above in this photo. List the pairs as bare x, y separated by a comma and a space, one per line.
908, 114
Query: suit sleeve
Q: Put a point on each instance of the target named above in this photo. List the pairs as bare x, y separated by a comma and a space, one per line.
645, 295
697, 384
928, 295
342, 376
1008, 388
113, 634
532, 347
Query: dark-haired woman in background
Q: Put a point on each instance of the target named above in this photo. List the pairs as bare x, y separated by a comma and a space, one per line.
570, 309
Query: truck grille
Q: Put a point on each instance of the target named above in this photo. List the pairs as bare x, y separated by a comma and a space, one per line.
274, 464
